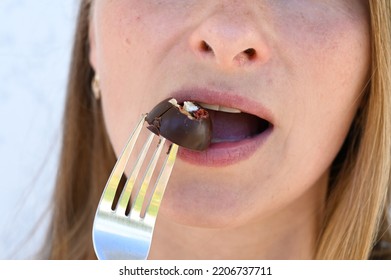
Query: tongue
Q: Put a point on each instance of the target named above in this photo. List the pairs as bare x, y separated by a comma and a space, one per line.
230, 127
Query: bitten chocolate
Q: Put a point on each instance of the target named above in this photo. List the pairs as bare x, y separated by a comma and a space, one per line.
186, 124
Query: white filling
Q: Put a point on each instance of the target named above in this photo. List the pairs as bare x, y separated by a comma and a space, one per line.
174, 102
189, 106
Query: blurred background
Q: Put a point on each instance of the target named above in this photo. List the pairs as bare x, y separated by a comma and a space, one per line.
35, 46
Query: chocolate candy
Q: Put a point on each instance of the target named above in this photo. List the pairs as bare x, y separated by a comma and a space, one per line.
186, 124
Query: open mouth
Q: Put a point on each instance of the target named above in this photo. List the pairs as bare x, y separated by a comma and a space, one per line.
232, 125
241, 127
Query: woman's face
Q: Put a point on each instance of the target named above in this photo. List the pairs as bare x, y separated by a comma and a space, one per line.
301, 65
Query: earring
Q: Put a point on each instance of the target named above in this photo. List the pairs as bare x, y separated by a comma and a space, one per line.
95, 87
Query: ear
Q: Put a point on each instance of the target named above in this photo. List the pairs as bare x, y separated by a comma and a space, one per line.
92, 41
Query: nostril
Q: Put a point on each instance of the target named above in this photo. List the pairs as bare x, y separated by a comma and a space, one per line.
250, 53
205, 47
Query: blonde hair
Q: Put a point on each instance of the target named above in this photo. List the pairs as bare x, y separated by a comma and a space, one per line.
86, 156
359, 192
358, 202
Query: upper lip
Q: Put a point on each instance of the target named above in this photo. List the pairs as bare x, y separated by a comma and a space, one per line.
226, 99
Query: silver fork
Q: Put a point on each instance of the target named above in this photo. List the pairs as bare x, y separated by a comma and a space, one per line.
115, 234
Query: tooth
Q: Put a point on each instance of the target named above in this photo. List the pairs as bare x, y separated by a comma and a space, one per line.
219, 108
209, 106
229, 110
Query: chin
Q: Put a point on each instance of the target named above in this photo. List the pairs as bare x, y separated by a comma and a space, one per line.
201, 206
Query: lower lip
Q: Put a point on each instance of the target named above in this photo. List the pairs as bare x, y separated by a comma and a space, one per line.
225, 153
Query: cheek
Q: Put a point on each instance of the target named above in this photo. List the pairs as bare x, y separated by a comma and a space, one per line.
121, 68
328, 61
324, 34
114, 46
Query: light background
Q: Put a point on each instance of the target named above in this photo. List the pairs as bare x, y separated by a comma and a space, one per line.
35, 46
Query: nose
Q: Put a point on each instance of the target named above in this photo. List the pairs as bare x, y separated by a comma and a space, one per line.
230, 40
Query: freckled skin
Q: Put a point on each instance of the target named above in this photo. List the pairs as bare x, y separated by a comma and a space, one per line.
309, 66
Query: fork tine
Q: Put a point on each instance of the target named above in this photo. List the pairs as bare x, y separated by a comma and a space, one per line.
136, 208
161, 183
116, 175
125, 195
